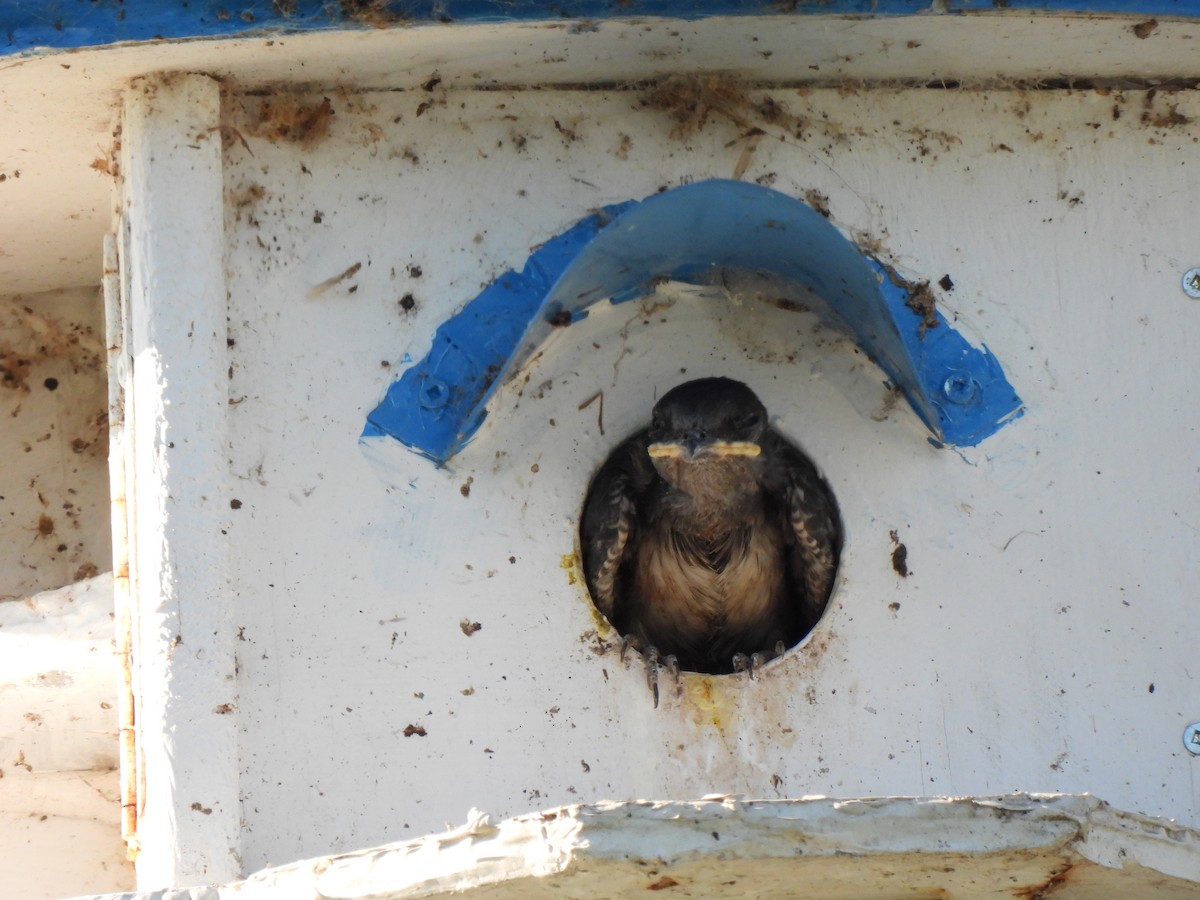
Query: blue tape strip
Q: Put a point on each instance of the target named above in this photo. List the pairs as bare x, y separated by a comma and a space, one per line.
958, 390
31, 25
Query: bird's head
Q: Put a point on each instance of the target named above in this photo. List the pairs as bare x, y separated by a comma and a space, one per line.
706, 420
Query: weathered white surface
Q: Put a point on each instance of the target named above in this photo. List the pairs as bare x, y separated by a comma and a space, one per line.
1039, 642
175, 409
59, 110
983, 847
53, 440
57, 678
58, 760
61, 834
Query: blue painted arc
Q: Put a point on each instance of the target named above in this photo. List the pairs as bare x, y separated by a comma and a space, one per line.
692, 234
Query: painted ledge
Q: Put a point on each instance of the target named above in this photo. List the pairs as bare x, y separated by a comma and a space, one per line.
1019, 845
692, 234
36, 26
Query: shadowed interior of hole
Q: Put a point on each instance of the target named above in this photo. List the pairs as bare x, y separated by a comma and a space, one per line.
794, 621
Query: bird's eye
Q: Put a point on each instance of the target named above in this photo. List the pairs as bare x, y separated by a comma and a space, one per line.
747, 422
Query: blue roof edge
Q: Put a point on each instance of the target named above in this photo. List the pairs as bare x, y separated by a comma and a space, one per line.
31, 27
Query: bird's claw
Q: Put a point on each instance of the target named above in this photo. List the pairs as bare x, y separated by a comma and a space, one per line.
757, 661
652, 672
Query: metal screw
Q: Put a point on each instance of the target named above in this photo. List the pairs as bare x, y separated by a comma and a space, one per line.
1191, 738
960, 388
1191, 283
434, 393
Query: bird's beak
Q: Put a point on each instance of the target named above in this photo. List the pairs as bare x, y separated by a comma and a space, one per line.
690, 450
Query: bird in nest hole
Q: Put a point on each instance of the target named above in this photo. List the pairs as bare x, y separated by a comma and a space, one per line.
709, 541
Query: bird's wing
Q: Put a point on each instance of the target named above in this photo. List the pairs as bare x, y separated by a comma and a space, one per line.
812, 519
607, 531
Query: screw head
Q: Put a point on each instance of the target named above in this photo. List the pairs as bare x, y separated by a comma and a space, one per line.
960, 388
1191, 738
433, 393
1191, 283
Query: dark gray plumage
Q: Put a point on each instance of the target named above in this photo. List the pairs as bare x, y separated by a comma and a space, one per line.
707, 536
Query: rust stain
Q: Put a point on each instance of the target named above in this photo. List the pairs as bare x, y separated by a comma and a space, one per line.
1058, 878
665, 882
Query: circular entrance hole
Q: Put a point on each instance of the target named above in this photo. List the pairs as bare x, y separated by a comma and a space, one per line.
707, 536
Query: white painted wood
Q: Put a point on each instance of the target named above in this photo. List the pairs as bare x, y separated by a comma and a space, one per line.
53, 441
183, 648
998, 847
59, 109
1046, 594
58, 757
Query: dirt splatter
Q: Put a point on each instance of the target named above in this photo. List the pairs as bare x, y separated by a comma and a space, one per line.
1143, 30
293, 119
105, 164
818, 201
44, 338
692, 100
921, 301
468, 627
899, 555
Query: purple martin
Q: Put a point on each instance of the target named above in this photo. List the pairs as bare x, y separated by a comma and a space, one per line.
708, 539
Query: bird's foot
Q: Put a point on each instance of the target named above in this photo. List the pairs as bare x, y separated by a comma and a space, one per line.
755, 661
654, 661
